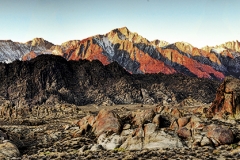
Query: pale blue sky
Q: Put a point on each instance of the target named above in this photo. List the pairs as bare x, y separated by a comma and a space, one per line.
199, 22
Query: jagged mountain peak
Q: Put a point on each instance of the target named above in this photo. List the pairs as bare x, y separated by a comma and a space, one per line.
9, 40
124, 30
36, 41
40, 42
121, 34
184, 46
70, 43
233, 46
206, 48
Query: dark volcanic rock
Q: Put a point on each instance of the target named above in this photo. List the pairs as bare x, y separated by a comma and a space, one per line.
50, 79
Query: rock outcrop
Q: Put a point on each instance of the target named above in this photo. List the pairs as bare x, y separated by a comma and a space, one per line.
227, 101
140, 130
107, 122
8, 150
64, 131
220, 135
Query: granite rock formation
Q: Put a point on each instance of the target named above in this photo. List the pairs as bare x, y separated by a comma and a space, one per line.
183, 131
227, 101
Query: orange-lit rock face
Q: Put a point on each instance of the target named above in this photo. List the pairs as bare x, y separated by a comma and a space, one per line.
212, 57
201, 70
95, 53
227, 53
150, 65
227, 49
234, 45
147, 63
90, 52
185, 47
118, 43
129, 36
188, 48
227, 99
29, 56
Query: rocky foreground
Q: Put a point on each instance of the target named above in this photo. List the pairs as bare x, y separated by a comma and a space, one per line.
190, 129
187, 130
120, 132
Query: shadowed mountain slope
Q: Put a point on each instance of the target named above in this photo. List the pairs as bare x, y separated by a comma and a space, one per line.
52, 79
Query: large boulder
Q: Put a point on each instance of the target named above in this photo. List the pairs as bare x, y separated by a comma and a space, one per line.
110, 142
220, 135
183, 124
203, 135
86, 123
107, 122
160, 139
8, 150
183, 121
150, 138
134, 141
184, 132
227, 101
140, 117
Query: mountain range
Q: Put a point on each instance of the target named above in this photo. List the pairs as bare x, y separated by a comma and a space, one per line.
135, 54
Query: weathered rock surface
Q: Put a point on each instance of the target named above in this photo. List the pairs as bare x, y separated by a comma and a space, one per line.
107, 122
227, 101
55, 134
8, 150
141, 117
110, 142
151, 129
221, 135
